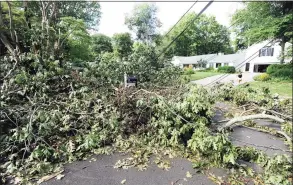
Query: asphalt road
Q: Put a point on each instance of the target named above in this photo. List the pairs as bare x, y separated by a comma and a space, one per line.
101, 171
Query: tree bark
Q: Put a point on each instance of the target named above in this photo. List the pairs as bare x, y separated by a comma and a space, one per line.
3, 37
282, 44
244, 118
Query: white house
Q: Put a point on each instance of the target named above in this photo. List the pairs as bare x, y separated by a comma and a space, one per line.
255, 58
259, 56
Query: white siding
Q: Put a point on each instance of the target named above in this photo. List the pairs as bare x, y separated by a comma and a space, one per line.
253, 51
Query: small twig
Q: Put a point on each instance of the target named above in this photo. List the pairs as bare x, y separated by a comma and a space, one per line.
247, 111
10, 71
10, 119
173, 183
285, 135
274, 112
166, 105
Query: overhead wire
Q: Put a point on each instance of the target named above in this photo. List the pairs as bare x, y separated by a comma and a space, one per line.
180, 18
203, 10
245, 61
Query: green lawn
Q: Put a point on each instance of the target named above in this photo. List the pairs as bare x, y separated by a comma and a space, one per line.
282, 88
201, 75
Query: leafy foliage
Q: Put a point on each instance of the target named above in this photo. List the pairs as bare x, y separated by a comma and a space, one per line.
195, 41
259, 21
143, 21
226, 69
262, 77
101, 43
59, 105
188, 71
122, 45
280, 71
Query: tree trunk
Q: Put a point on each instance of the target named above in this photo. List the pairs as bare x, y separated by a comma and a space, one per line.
282, 44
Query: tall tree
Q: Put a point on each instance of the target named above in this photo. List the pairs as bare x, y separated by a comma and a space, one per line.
259, 21
101, 43
144, 22
38, 26
205, 35
122, 45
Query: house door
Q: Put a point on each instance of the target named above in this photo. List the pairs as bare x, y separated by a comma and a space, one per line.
247, 66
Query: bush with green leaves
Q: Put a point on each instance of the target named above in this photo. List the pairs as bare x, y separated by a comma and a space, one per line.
207, 69
188, 71
281, 71
262, 77
226, 69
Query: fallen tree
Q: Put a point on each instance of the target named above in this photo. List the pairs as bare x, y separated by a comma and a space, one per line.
250, 117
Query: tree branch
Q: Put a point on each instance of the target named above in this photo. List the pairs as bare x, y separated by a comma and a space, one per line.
277, 113
244, 118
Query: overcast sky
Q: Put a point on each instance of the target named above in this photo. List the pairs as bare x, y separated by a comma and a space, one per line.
113, 14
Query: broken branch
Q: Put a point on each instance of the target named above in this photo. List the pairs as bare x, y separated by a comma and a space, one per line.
244, 118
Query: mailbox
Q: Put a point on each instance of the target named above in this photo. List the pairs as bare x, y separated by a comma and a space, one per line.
130, 81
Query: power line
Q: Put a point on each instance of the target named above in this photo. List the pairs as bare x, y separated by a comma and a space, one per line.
244, 62
181, 18
239, 65
166, 48
212, 57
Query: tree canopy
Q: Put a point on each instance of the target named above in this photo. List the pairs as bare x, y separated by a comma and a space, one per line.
122, 44
259, 21
143, 21
205, 35
101, 43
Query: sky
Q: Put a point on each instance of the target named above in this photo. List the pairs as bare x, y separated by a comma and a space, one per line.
113, 14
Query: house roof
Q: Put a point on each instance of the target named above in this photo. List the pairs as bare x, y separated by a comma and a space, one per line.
194, 59
213, 58
232, 58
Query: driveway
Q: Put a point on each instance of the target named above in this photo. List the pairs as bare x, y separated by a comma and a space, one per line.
246, 77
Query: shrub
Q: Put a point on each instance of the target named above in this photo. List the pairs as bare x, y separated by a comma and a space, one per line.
262, 77
281, 71
227, 69
284, 74
207, 69
188, 71
275, 67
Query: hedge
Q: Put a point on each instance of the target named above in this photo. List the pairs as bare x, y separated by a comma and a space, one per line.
227, 69
283, 71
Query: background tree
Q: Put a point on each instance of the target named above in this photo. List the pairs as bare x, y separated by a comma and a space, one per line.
259, 21
101, 43
38, 27
77, 40
143, 21
205, 35
122, 45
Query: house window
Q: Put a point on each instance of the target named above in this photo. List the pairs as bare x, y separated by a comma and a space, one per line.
218, 65
266, 52
225, 64
185, 65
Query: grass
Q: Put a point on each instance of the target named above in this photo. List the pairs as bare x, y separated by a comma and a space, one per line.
283, 88
201, 75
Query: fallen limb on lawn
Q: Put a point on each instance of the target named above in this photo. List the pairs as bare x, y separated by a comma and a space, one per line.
244, 118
